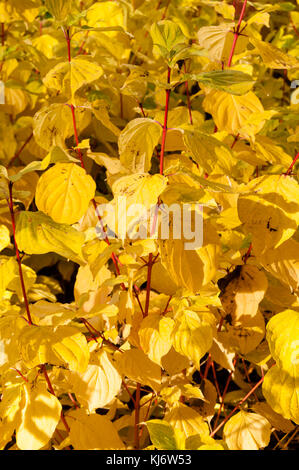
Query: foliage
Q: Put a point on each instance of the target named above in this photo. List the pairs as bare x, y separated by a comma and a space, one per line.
120, 342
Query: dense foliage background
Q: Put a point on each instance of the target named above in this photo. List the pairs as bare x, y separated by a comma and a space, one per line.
127, 343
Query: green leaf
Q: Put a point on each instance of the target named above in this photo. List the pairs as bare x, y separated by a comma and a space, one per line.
231, 81
60, 9
161, 434
166, 36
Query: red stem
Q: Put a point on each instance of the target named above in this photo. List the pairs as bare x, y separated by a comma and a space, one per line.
167, 305
83, 44
215, 379
20, 373
237, 406
224, 393
2, 34
236, 35
51, 390
95, 334
247, 254
129, 393
294, 27
138, 300
235, 141
73, 401
12, 215
208, 365
141, 109
292, 164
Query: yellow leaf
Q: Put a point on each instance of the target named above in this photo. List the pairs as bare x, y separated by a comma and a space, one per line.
155, 336
140, 188
191, 268
281, 391
93, 432
68, 77
51, 314
4, 237
97, 253
137, 142
52, 124
210, 153
192, 335
275, 419
244, 336
187, 420
218, 40
99, 109
17, 98
222, 354
54, 345
40, 416
10, 277
26, 185
273, 57
11, 404
136, 84
270, 212
46, 43
283, 340
29, 276
161, 281
247, 431
134, 364
7, 135
174, 362
6, 432
98, 385
105, 14
10, 327
212, 446
231, 112
36, 233
63, 192
242, 290
207, 404
134, 196
269, 151
283, 263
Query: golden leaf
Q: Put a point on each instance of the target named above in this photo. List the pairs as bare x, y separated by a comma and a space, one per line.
247, 431
63, 192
